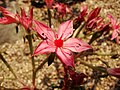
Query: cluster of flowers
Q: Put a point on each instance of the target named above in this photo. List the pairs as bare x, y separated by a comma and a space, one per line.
61, 42
96, 22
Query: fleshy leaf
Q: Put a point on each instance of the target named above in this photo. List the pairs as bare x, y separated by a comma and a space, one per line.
95, 36
17, 29
51, 58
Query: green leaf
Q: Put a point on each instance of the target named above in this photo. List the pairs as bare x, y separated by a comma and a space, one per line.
17, 29
7, 64
95, 36
51, 58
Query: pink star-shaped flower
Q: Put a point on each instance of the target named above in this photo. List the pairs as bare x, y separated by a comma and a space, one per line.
8, 17
115, 26
61, 42
25, 20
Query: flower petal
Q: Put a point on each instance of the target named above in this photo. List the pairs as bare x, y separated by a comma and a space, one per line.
49, 3
6, 13
65, 30
44, 31
115, 27
23, 14
25, 20
31, 13
114, 34
114, 72
8, 17
66, 56
94, 13
76, 45
44, 47
7, 20
112, 20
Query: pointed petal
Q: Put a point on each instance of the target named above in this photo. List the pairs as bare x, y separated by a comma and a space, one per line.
113, 22
7, 20
49, 3
8, 17
23, 14
44, 47
5, 12
25, 20
31, 13
44, 31
115, 27
114, 72
76, 45
118, 39
114, 34
94, 13
65, 30
66, 56
83, 12
84, 9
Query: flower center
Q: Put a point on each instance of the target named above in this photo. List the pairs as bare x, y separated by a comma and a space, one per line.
58, 43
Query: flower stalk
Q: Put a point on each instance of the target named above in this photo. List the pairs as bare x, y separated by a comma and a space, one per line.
29, 38
40, 66
91, 66
7, 64
49, 17
77, 31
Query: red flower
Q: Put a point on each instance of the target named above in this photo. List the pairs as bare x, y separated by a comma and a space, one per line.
62, 9
82, 14
93, 14
76, 78
115, 26
49, 3
94, 23
93, 19
8, 17
72, 79
60, 42
25, 20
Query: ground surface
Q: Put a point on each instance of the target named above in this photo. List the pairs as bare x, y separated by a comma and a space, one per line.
16, 52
